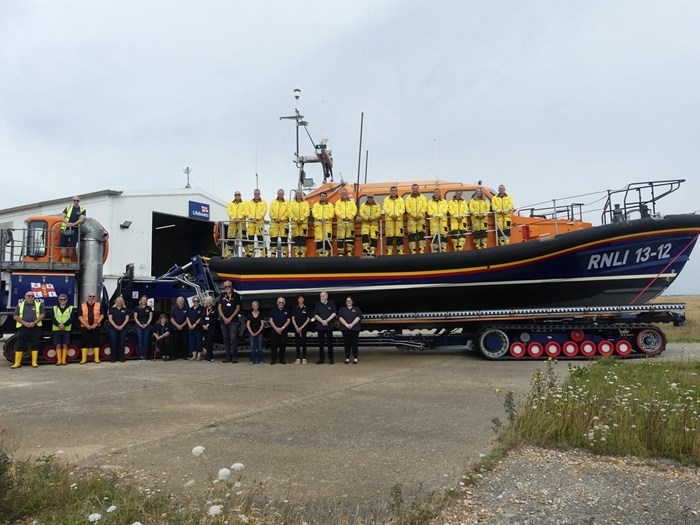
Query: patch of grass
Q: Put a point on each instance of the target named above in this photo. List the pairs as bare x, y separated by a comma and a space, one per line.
46, 491
420, 509
646, 409
690, 332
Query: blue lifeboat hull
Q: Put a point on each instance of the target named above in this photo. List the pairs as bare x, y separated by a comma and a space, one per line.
616, 264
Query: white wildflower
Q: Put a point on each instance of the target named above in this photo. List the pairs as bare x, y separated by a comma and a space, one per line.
224, 474
112, 508
237, 466
243, 518
95, 516
215, 510
137, 523
198, 450
189, 484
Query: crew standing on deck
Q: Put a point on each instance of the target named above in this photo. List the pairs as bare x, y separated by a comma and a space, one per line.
437, 211
458, 209
237, 211
394, 209
345, 211
62, 322
479, 210
279, 224
323, 213
416, 208
502, 205
299, 216
73, 216
370, 213
256, 211
90, 318
28, 315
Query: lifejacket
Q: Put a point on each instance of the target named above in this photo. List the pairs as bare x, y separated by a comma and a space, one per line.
37, 309
69, 212
62, 317
95, 311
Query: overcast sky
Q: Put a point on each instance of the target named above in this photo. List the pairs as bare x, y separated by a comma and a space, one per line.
554, 98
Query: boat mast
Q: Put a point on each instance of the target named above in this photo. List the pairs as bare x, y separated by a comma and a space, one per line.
323, 155
299, 118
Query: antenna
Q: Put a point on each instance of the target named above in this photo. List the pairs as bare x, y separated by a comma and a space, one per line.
187, 172
359, 154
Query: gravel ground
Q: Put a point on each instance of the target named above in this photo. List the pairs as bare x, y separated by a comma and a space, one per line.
538, 486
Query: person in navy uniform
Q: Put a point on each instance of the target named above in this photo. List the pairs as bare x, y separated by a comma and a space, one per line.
180, 332
194, 324
73, 216
143, 317
325, 314
280, 319
117, 319
350, 316
209, 324
162, 337
301, 317
228, 310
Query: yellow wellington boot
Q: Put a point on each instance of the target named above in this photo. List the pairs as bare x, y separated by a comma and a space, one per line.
84, 359
59, 355
18, 360
96, 353
35, 358
64, 355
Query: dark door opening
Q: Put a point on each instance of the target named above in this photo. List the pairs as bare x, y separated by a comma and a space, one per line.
176, 239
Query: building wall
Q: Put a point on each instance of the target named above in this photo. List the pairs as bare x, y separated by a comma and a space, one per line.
132, 245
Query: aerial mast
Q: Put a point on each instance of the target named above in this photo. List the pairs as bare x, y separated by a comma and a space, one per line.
322, 154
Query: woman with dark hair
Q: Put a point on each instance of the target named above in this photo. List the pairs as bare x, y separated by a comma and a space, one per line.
209, 324
350, 317
301, 317
162, 336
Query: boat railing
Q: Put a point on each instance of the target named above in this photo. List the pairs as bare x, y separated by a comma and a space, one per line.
568, 212
35, 247
259, 242
637, 200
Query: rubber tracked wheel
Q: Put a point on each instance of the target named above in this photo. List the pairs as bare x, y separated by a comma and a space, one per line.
493, 343
651, 341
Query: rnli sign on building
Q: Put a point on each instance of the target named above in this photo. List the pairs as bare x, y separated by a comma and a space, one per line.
199, 210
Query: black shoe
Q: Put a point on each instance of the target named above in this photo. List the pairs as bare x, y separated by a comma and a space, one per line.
122, 360
283, 362
331, 362
234, 361
227, 360
320, 362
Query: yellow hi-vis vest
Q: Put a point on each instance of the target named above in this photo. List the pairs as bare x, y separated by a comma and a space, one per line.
37, 309
62, 317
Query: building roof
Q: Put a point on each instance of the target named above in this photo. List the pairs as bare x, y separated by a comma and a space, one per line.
115, 193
